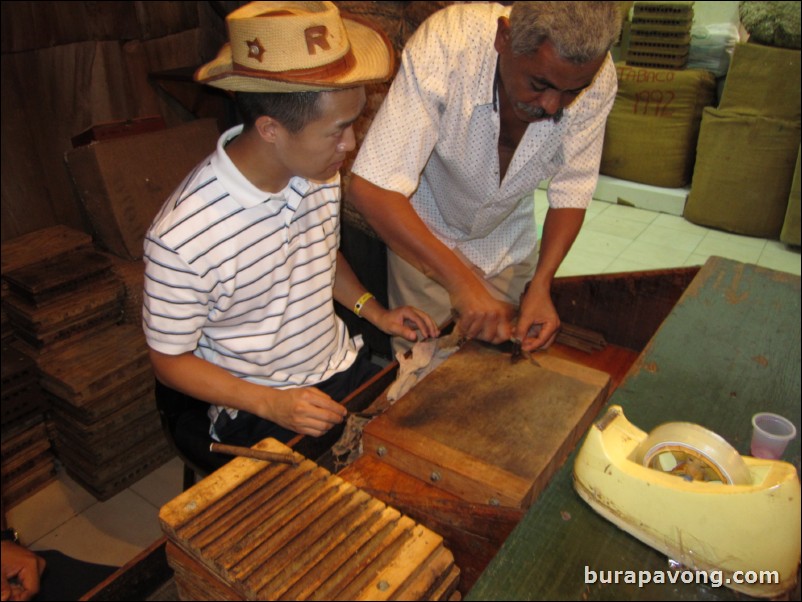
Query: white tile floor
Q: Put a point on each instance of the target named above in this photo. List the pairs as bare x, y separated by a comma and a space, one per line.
615, 238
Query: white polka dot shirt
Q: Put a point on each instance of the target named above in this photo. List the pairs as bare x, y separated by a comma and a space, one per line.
435, 140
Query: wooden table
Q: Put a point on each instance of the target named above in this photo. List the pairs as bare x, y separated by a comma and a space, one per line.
729, 348
474, 532
626, 308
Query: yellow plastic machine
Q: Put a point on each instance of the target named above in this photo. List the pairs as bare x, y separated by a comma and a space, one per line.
686, 492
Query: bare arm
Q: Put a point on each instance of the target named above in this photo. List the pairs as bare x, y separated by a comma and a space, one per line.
537, 309
400, 321
392, 216
304, 410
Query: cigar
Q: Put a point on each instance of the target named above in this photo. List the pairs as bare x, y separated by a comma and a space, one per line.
258, 454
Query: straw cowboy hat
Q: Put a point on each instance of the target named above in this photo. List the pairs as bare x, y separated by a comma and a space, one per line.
297, 47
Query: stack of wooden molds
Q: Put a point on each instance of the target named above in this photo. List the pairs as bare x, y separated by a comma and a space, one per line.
53, 302
101, 392
27, 459
67, 309
660, 35
262, 530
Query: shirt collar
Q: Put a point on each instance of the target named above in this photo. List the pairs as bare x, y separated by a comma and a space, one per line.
241, 189
487, 83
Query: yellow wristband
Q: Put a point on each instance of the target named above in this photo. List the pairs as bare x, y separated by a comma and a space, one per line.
361, 302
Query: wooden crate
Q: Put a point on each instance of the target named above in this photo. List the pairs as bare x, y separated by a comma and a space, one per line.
258, 530
123, 182
486, 429
37, 475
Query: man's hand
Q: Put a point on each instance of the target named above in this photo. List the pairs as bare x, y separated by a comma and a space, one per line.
482, 316
538, 322
21, 570
406, 322
305, 410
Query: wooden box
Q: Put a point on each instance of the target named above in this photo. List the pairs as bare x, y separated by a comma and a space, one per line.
258, 530
486, 429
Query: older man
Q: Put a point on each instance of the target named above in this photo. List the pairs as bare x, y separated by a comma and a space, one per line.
489, 102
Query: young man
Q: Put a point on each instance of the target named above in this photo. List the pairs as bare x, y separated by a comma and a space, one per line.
489, 101
242, 266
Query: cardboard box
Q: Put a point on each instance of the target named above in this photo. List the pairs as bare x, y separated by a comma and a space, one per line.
123, 182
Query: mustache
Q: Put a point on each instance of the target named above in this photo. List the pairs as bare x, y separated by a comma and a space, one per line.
540, 112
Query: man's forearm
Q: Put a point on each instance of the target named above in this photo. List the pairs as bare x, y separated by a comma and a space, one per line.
203, 380
397, 223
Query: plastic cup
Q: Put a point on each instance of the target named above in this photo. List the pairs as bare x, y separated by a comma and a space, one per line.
771, 435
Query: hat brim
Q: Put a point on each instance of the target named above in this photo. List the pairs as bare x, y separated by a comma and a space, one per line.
373, 58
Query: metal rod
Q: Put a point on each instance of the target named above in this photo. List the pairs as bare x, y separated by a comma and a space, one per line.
258, 454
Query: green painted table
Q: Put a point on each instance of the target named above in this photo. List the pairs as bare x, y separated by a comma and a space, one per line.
729, 348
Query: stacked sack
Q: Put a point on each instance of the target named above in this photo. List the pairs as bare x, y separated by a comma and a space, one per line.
652, 129
747, 158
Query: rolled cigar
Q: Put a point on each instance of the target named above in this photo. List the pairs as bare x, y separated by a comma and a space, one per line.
258, 454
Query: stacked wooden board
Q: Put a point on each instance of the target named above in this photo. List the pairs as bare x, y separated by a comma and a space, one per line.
54, 301
660, 34
27, 459
75, 311
257, 530
108, 431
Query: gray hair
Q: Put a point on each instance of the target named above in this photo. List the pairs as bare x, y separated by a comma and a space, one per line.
580, 31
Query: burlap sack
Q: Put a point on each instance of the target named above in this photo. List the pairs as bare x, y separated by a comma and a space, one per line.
743, 173
763, 81
653, 126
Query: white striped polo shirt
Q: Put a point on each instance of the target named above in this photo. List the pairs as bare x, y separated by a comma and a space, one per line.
243, 278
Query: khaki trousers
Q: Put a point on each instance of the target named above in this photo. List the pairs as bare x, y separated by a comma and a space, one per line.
408, 286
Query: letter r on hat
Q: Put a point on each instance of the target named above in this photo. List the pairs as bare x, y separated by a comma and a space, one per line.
316, 36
